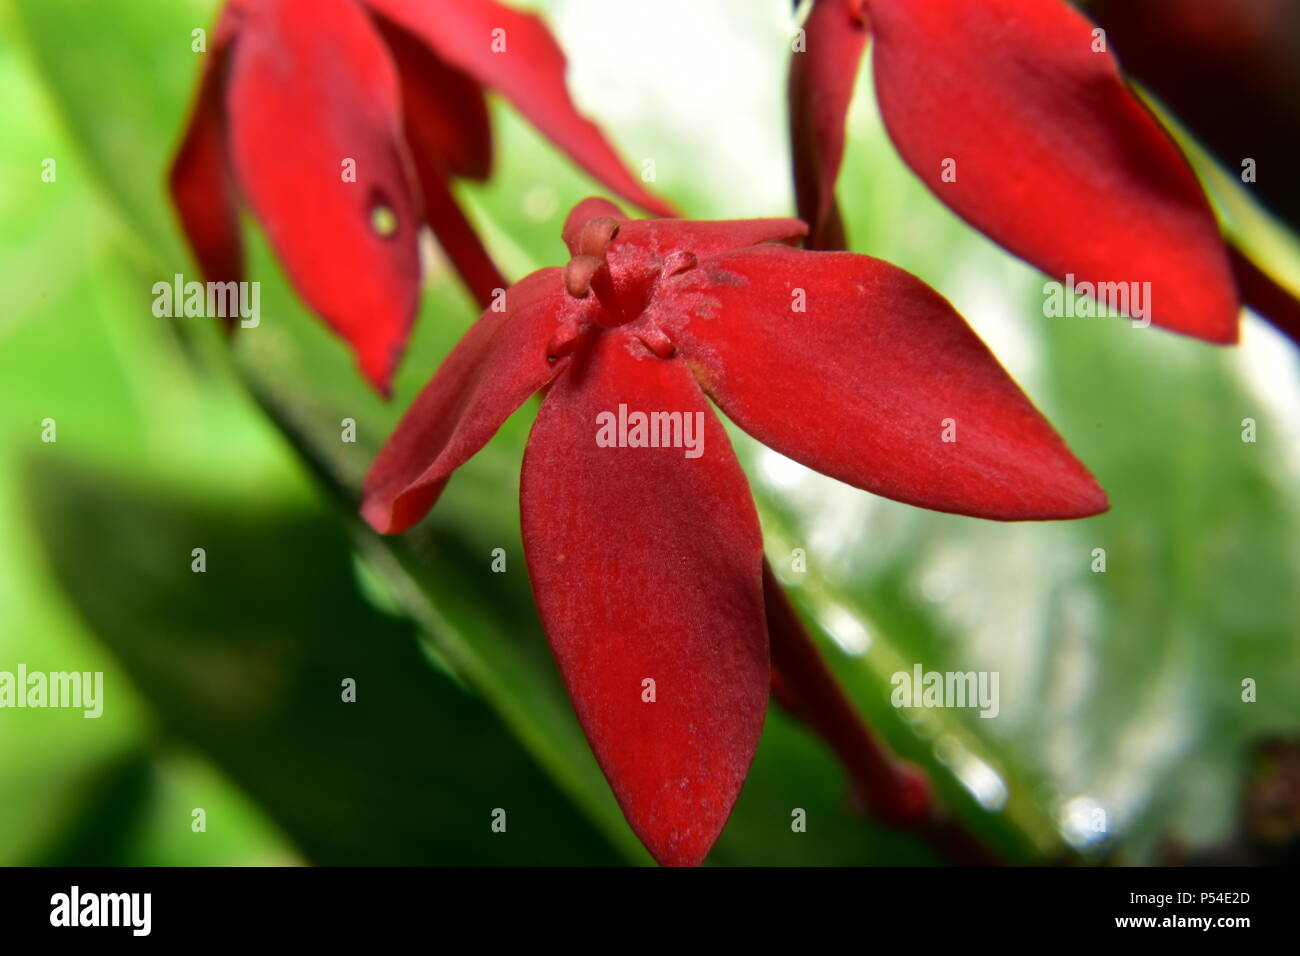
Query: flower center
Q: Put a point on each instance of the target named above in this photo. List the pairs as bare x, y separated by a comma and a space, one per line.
588, 271
624, 287
622, 284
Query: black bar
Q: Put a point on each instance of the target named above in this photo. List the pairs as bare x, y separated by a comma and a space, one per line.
872, 906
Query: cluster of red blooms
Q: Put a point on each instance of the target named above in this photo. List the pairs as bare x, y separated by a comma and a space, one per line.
647, 563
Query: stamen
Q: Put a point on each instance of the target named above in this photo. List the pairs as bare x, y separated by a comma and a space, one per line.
596, 236
578, 273
588, 271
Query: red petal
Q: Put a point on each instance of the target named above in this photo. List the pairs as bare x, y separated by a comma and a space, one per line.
821, 86
201, 182
1056, 159
312, 85
646, 564
658, 238
447, 130
500, 362
529, 72
446, 113
860, 385
642, 239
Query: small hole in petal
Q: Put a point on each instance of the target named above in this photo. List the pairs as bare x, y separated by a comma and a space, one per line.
383, 221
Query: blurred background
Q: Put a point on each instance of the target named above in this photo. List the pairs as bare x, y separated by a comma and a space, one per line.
1121, 691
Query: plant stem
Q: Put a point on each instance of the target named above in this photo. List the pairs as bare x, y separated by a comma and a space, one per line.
1264, 295
893, 791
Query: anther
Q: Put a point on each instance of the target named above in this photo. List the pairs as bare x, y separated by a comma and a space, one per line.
578, 273
596, 235
588, 271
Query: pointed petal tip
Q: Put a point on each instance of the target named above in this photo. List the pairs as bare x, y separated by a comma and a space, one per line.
1073, 496
1146, 211
1214, 317
377, 367
678, 854
1221, 331
350, 251
1094, 502
1101, 505
392, 513
1229, 334
498, 364
378, 513
1081, 498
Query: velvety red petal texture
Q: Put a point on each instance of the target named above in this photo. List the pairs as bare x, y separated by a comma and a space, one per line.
863, 385
312, 85
446, 112
646, 565
448, 133
529, 72
499, 363
1055, 158
822, 78
201, 180
653, 239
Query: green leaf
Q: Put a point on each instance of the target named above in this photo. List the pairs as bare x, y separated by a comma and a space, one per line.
248, 662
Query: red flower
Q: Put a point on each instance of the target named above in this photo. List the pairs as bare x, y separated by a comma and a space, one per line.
342, 122
642, 541
1015, 115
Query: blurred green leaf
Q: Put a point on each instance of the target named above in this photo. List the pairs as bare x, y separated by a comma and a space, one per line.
247, 661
